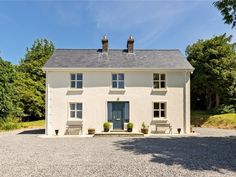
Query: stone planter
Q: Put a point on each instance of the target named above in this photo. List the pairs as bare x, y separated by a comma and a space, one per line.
144, 130
129, 130
91, 131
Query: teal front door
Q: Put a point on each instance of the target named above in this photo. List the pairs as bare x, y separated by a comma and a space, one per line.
118, 114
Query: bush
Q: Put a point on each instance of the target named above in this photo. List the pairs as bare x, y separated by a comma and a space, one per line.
130, 125
222, 109
106, 125
10, 123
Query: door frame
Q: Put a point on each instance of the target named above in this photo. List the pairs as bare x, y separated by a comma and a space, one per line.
107, 112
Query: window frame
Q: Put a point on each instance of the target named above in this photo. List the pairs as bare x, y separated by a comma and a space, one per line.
75, 110
159, 80
76, 80
159, 110
117, 81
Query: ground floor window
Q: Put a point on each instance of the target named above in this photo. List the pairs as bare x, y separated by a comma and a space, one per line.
76, 110
159, 110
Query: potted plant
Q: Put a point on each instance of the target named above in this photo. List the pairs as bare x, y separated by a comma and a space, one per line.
106, 126
144, 128
91, 131
56, 131
130, 127
179, 130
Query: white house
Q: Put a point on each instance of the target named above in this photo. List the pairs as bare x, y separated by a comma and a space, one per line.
87, 87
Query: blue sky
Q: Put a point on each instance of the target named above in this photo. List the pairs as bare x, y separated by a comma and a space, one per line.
81, 24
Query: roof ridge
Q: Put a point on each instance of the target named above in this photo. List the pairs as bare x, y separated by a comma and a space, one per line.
120, 49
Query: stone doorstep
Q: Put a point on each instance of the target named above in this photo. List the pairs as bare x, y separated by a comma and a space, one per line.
119, 134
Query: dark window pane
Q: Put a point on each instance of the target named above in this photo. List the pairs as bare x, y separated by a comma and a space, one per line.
79, 114
72, 114
155, 76
162, 113
72, 84
163, 84
79, 84
121, 76
79, 106
114, 76
121, 84
163, 77
156, 105
72, 106
79, 77
114, 84
72, 77
162, 105
155, 84
156, 113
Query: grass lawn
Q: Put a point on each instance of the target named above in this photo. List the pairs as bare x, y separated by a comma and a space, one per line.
207, 119
36, 123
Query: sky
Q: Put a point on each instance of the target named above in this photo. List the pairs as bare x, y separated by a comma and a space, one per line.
166, 24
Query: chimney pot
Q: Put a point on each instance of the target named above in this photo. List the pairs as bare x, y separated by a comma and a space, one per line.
104, 44
130, 44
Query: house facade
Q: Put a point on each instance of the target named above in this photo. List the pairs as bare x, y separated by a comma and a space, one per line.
87, 87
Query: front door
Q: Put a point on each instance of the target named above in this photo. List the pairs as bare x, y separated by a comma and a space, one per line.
117, 114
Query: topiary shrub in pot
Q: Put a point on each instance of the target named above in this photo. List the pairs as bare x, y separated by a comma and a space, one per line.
106, 126
130, 127
144, 128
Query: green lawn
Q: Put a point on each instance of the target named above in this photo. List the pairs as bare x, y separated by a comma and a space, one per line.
207, 119
37, 123
14, 123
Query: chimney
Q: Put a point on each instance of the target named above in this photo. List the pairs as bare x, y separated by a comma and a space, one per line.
130, 44
104, 44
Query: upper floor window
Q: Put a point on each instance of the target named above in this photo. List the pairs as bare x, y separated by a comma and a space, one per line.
159, 81
76, 80
118, 80
159, 110
76, 110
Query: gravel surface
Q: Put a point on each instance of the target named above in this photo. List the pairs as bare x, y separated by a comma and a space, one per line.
24, 155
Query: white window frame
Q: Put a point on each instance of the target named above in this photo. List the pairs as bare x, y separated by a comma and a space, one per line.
160, 109
76, 80
75, 110
117, 81
158, 80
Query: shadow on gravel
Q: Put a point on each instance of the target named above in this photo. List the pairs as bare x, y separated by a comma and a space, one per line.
192, 153
30, 132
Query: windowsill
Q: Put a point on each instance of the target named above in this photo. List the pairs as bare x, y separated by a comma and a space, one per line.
117, 90
75, 90
74, 121
160, 119
159, 89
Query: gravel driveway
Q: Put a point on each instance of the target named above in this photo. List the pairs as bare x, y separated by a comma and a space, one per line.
24, 154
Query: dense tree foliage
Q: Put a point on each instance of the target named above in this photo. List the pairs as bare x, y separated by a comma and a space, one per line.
228, 10
214, 79
30, 78
9, 101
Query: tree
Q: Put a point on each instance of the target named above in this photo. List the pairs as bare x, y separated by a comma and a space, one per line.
214, 78
228, 10
30, 82
9, 103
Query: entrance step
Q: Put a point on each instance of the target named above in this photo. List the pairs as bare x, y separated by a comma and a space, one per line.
119, 134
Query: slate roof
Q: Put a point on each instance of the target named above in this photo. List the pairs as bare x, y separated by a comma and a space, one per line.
118, 58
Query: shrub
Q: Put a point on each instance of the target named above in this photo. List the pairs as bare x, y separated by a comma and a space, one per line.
106, 125
144, 126
10, 123
222, 109
130, 125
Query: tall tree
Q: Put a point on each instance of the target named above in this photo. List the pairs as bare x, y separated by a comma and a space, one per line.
228, 10
31, 78
9, 103
214, 78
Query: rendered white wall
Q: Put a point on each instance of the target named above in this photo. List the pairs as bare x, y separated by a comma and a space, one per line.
96, 93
